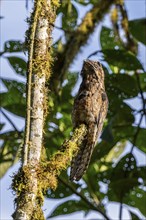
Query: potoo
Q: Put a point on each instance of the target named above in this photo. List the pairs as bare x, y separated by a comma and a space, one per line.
90, 108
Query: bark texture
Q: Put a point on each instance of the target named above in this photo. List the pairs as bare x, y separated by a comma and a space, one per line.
28, 204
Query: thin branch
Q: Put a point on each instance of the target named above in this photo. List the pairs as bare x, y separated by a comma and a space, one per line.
2, 149
121, 210
141, 92
91, 205
130, 43
143, 113
136, 133
94, 53
60, 160
29, 84
9, 120
60, 28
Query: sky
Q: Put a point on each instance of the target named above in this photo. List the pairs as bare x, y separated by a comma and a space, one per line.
13, 27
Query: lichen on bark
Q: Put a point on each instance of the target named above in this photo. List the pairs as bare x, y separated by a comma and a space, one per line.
26, 182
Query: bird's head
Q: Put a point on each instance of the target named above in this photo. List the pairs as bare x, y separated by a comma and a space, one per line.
94, 68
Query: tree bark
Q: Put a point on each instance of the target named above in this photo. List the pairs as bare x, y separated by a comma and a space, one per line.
27, 202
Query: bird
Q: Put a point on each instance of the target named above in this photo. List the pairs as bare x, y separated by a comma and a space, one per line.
90, 108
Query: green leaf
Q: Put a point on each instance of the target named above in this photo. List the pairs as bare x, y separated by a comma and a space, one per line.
123, 117
107, 134
119, 128
84, 2
123, 132
5, 166
137, 199
122, 60
14, 100
101, 150
108, 39
122, 176
138, 30
58, 46
141, 140
115, 152
63, 190
69, 17
141, 172
121, 83
9, 150
122, 186
126, 164
91, 180
66, 95
2, 125
134, 216
118, 89
68, 207
13, 46
60, 105
18, 64
120, 133
121, 181
142, 78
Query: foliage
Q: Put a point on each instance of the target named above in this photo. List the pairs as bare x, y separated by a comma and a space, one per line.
125, 80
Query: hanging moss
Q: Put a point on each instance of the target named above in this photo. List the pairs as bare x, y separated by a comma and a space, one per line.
47, 173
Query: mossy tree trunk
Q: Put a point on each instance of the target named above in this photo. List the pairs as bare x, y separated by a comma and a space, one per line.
39, 40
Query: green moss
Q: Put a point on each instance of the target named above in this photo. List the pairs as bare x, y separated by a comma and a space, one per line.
114, 15
46, 174
55, 3
87, 23
38, 214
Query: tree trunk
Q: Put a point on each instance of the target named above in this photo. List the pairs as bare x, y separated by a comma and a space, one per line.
39, 41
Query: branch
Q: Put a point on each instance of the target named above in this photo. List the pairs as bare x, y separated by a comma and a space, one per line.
45, 176
130, 43
121, 209
77, 39
9, 120
143, 112
136, 134
91, 205
60, 160
141, 93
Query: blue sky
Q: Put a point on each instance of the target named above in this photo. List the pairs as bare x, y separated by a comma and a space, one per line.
13, 26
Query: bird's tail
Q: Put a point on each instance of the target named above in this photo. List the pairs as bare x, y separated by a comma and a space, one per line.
81, 161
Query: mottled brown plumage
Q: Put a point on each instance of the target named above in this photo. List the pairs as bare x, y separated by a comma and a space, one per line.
90, 108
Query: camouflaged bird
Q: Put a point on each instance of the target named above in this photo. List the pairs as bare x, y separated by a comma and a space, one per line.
90, 108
